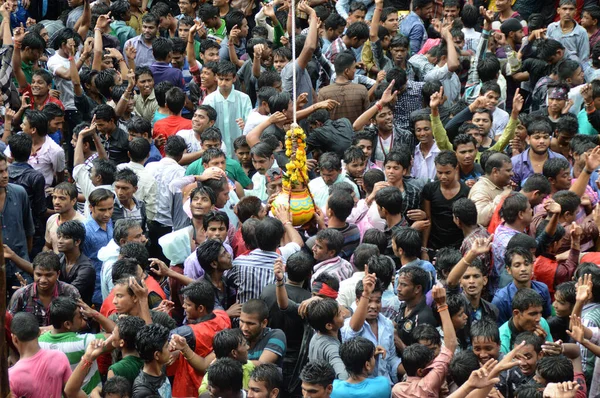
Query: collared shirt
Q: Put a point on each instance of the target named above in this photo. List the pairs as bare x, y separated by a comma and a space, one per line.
6, 71
508, 333
87, 166
95, 239
240, 50
164, 172
410, 100
353, 99
430, 384
81, 276
116, 146
449, 80
336, 266
502, 236
164, 71
423, 167
147, 187
48, 160
233, 169
523, 168
81, 175
23, 174
320, 190
421, 314
145, 107
336, 47
252, 272
421, 66
303, 81
67, 95
26, 300
590, 317
17, 223
413, 28
144, 55
236, 106
469, 240
486, 196
504, 297
387, 367
576, 40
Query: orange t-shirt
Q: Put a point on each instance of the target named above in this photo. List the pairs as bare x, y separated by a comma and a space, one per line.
170, 126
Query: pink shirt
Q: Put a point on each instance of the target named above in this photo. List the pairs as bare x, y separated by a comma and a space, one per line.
40, 376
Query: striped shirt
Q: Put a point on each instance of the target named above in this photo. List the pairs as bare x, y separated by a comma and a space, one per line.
337, 266
73, 345
252, 272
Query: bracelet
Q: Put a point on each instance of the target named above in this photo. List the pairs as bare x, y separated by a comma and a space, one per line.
71, 58
280, 284
424, 249
379, 9
379, 106
86, 363
98, 29
586, 170
466, 262
442, 308
288, 223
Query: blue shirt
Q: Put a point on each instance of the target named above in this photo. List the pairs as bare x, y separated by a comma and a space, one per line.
154, 156
504, 297
95, 239
144, 55
371, 387
388, 367
522, 167
163, 71
413, 28
17, 225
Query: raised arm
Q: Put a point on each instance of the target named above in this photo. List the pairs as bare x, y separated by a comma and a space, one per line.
437, 128
16, 57
284, 214
479, 247
387, 97
452, 61
233, 36
258, 50
198, 363
310, 44
101, 24
253, 137
439, 295
7, 39
85, 21
124, 100
374, 29
360, 315
78, 156
73, 387
592, 162
90, 313
280, 290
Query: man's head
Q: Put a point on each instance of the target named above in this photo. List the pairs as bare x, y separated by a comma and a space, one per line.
198, 299
356, 13
519, 264
451, 9
225, 378
128, 230
567, 9
41, 83
125, 332
175, 147
106, 118
516, 210
536, 188
406, 243
462, 365
178, 52
355, 161
165, 17
20, 147
24, 329
590, 17
345, 64
213, 257
465, 147
552, 369
175, 100
32, 47
512, 30
446, 168
464, 213
569, 205
357, 34
527, 308
317, 379
330, 167
564, 299
358, 355
475, 278
35, 123
423, 8
482, 118
126, 185
339, 205
216, 224
65, 315
254, 319
202, 201
55, 116
374, 305
485, 338
214, 157
102, 203
266, 381
262, 157
428, 336
325, 316
395, 164
138, 150
413, 282
231, 343
529, 355
558, 172
328, 244
152, 343
423, 131
499, 169
70, 235
46, 269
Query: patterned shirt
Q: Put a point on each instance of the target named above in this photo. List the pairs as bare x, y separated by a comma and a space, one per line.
469, 240
144, 55
337, 266
353, 99
252, 272
334, 49
26, 300
410, 100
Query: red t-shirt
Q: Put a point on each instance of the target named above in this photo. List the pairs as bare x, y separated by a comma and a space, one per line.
170, 126
108, 308
27, 90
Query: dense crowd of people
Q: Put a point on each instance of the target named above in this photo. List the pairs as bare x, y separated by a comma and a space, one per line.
151, 171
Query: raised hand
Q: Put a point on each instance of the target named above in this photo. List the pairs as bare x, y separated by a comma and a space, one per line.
592, 160
235, 310
577, 332
94, 349
368, 282
389, 96
165, 306
567, 389
552, 207
488, 15
567, 106
584, 288
439, 295
482, 245
379, 350
518, 102
71, 47
103, 21
139, 289
328, 104
586, 93
480, 378
234, 34
130, 52
576, 231
436, 98
158, 267
19, 33
277, 117
282, 212
552, 348
177, 343
380, 76
268, 10
279, 269
85, 310
305, 8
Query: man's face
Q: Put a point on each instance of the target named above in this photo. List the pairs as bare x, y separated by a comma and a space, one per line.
103, 211
149, 30
518, 36
567, 12
374, 306
473, 282
391, 23
556, 104
55, 124
26, 127
356, 16
504, 174
200, 205
528, 360
366, 146
459, 320
279, 63
178, 60
251, 326
64, 243
423, 131
485, 349
492, 99
451, 12
539, 142
393, 172
258, 389
39, 87
356, 168
502, 5
210, 55
222, 197
587, 21
217, 162
563, 180
561, 306
267, 57
224, 260
136, 234
520, 269
563, 138
216, 230
315, 390
399, 54
124, 191
185, 7
165, 22
45, 279
320, 251
329, 176
183, 31
225, 82
446, 174
243, 155
426, 13
466, 153
407, 290
385, 119
483, 121
191, 310
62, 202
527, 320
274, 187
208, 78
145, 83
200, 121
262, 164
122, 301
104, 126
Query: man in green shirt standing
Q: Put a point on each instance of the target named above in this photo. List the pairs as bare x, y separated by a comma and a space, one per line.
123, 338
217, 29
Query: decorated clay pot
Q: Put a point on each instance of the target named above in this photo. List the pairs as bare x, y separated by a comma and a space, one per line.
300, 202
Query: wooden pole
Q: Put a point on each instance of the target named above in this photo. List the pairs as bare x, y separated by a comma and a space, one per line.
4, 387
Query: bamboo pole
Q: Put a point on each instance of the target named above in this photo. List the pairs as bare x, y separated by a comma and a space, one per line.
4, 387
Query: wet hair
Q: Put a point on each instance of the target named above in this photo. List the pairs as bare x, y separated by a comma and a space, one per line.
62, 309
151, 339
390, 198
333, 239
136, 251
269, 374
201, 293
567, 291
415, 357
175, 146
318, 372
526, 298
462, 365
530, 338
553, 167
299, 266
322, 312
376, 237
383, 267
20, 146
537, 182
226, 374
117, 385
139, 149
427, 332
73, 229
99, 195
355, 352
38, 121
465, 210
128, 328
25, 326
486, 329
160, 92
554, 369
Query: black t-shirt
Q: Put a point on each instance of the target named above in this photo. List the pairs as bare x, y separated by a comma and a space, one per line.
421, 314
443, 230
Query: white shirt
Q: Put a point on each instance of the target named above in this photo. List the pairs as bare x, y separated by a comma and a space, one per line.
81, 175
253, 120
147, 187
471, 39
260, 184
424, 167
164, 171
347, 292
48, 160
499, 123
320, 190
67, 95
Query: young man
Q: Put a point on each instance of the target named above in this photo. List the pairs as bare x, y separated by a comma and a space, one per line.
326, 250
526, 316
162, 70
143, 42
356, 35
265, 382
358, 355
152, 344
225, 379
236, 42
36, 297
215, 259
519, 265
204, 118
76, 268
111, 135
217, 29
330, 168
66, 319
407, 245
262, 160
169, 126
464, 215
120, 14
266, 345
145, 102
413, 26
339, 208
317, 379
123, 339
126, 204
166, 20
569, 32
425, 371
203, 324
367, 322
590, 17
38, 373
228, 101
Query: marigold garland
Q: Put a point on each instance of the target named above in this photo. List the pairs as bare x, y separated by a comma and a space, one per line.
295, 148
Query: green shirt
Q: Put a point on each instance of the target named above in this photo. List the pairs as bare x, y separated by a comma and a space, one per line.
219, 34
506, 335
73, 345
128, 367
232, 167
247, 368
27, 68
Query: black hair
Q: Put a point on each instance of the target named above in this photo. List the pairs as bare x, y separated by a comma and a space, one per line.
357, 6
268, 373
555, 368
123, 268
68, 188
488, 69
371, 177
256, 307
47, 77
496, 161
390, 198
399, 77
363, 253
211, 133
179, 45
118, 9
265, 93
341, 205
567, 124
38, 121
464, 128
235, 17
299, 266
409, 240
47, 261
211, 154
514, 204
208, 11
150, 339
61, 37
99, 195
136, 251
175, 100
161, 10
215, 216
143, 70
207, 45
400, 156
116, 385
247, 207
105, 81
20, 146
568, 201
537, 182
25, 326
203, 191
333, 239
534, 390
358, 30
139, 125
469, 16
127, 175
418, 276
269, 78
330, 161
207, 253
530, 338
105, 112
465, 210
462, 365
539, 126
128, 328
558, 234
355, 353
175, 146
485, 155
72, 229
322, 312
279, 102
446, 158
517, 251
160, 91
446, 258
62, 309
464, 139
567, 291
345, 59
580, 144
226, 341
353, 153
329, 279
487, 329
415, 357
376, 237
318, 372
33, 41
547, 48
552, 167
334, 21
383, 267
226, 374
526, 298
186, 20
106, 169
139, 149
201, 293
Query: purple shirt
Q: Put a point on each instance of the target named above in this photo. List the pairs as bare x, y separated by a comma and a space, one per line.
522, 167
502, 236
163, 71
